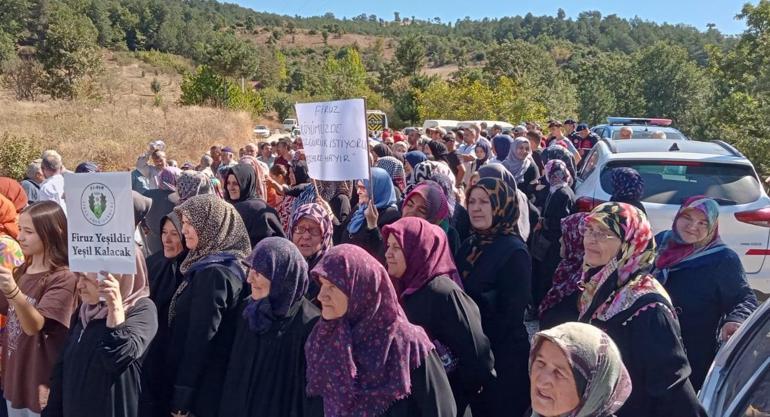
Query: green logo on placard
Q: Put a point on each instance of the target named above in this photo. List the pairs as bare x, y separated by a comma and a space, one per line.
97, 203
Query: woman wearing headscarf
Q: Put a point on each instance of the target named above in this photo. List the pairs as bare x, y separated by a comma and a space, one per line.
495, 266
399, 149
261, 221
266, 372
560, 302
428, 201
632, 307
338, 195
203, 311
311, 231
12, 190
575, 370
562, 154
192, 183
163, 202
705, 280
381, 150
501, 146
299, 192
164, 279
627, 187
374, 211
423, 272
99, 371
439, 152
520, 164
482, 150
395, 169
427, 169
261, 170
364, 358
546, 247
528, 213
413, 159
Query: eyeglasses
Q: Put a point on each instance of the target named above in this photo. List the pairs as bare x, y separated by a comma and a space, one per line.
301, 230
599, 235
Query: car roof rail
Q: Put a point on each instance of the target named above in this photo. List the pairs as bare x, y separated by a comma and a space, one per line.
729, 148
610, 144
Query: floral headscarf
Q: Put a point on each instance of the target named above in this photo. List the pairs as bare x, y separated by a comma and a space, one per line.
426, 253
318, 214
167, 178
330, 189
557, 174
281, 263
674, 251
569, 274
395, 169
605, 384
220, 230
425, 171
627, 184
192, 183
618, 285
361, 363
436, 204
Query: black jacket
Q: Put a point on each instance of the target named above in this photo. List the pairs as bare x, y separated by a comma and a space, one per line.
431, 394
371, 239
205, 316
98, 373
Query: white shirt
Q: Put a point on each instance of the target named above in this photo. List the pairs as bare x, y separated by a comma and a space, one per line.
52, 189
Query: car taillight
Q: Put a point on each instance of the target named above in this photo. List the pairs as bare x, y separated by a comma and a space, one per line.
759, 217
586, 204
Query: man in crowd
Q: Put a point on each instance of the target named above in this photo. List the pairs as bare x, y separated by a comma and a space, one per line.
284, 153
626, 132
215, 152
414, 140
454, 159
496, 130
467, 150
557, 137
52, 189
587, 139
250, 150
266, 154
570, 133
436, 133
519, 131
228, 160
32, 180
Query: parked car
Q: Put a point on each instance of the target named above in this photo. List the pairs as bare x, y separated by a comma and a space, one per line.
490, 123
674, 170
446, 124
643, 128
261, 131
289, 124
738, 384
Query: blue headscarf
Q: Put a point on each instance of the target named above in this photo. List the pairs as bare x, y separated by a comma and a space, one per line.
415, 157
502, 145
281, 263
382, 194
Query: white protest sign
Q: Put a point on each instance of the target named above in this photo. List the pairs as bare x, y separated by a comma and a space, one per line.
334, 138
100, 222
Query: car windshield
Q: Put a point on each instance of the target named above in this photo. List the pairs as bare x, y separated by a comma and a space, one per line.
646, 132
671, 182
260, 127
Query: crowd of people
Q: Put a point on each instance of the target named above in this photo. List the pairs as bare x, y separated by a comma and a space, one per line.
263, 292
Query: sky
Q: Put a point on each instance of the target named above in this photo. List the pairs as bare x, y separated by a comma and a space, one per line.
697, 13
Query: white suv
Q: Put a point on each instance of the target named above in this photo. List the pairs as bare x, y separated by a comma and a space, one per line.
674, 170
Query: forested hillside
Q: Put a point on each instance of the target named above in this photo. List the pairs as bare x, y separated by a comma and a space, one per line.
512, 68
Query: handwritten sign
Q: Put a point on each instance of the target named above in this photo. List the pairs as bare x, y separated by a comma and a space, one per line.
335, 139
100, 222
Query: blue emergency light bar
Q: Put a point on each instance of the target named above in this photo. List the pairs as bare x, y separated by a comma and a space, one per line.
638, 121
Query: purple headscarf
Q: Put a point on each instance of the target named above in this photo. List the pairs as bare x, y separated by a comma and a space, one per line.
436, 203
426, 253
278, 260
361, 363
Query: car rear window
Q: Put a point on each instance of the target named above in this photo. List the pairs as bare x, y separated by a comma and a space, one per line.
671, 182
646, 133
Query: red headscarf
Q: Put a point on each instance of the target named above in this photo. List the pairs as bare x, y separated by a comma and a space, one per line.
12, 190
426, 253
9, 219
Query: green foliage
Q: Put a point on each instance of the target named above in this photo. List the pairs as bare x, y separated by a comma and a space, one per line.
24, 76
155, 86
69, 54
206, 88
166, 62
15, 154
279, 102
7, 47
410, 54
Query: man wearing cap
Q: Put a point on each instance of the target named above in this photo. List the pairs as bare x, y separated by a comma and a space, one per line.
569, 132
228, 160
496, 130
587, 139
437, 133
557, 137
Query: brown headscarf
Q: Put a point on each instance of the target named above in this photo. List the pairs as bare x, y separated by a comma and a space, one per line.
132, 289
261, 172
9, 219
219, 226
11, 189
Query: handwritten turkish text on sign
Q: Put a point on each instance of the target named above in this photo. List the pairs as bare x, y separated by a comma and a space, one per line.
100, 222
334, 138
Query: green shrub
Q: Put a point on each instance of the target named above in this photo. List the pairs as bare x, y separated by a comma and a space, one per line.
16, 153
168, 63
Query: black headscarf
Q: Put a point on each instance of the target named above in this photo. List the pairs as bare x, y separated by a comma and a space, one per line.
142, 206
300, 172
164, 274
382, 150
439, 151
247, 182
